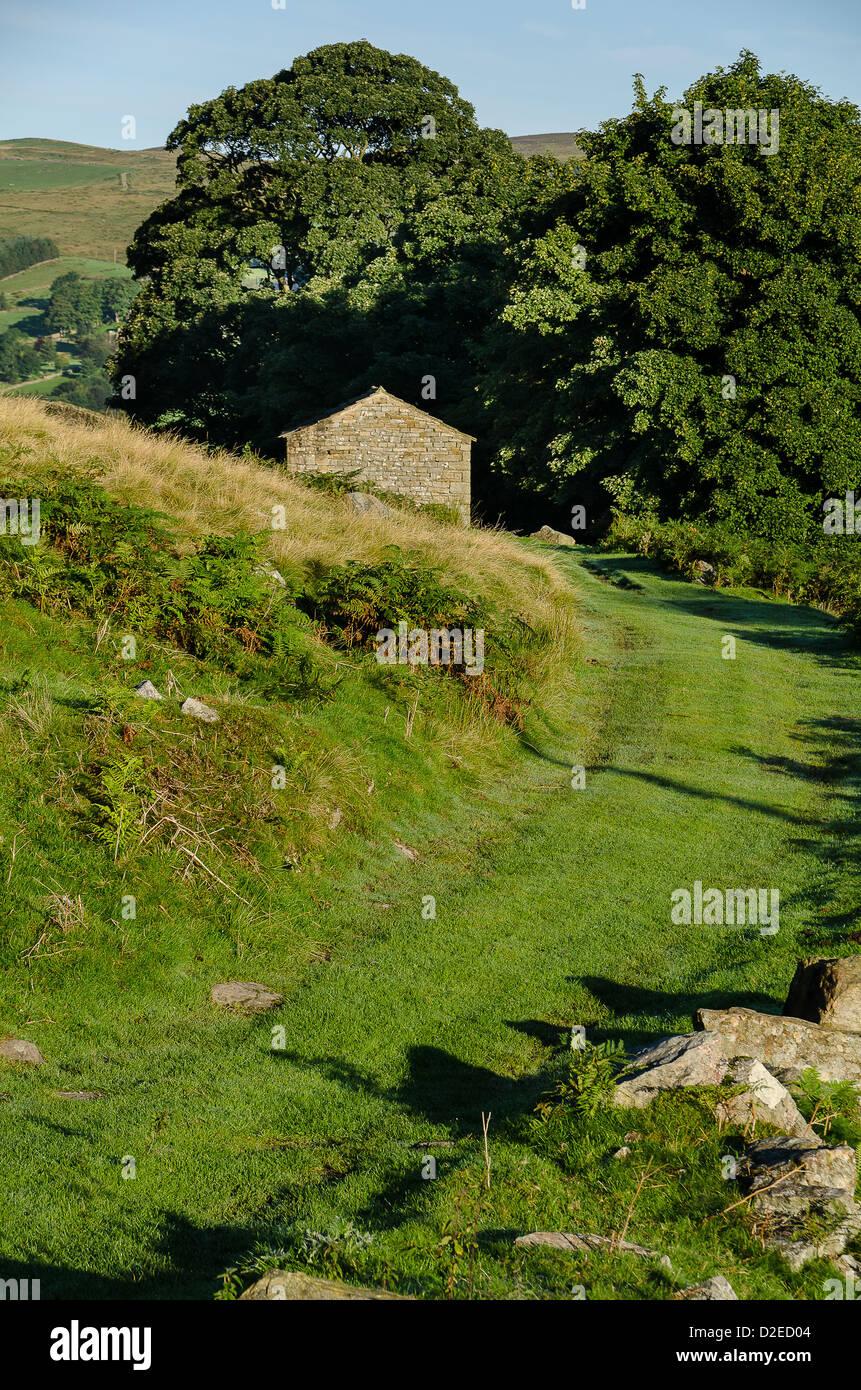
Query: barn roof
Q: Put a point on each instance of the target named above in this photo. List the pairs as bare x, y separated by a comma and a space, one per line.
366, 395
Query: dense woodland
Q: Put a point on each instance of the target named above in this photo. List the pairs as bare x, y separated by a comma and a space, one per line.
661, 331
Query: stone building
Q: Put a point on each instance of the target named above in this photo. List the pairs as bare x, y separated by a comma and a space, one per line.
395, 446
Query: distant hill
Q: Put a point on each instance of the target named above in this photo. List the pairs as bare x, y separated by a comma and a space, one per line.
563, 145
75, 193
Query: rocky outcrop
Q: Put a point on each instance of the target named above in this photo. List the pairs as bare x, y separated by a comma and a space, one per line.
762, 1100
786, 1046
827, 990
802, 1193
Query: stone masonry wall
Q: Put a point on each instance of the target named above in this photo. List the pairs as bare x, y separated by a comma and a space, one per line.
396, 447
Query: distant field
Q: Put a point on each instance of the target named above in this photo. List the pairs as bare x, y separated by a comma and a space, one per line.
563, 145
12, 318
46, 387
73, 193
42, 276
17, 175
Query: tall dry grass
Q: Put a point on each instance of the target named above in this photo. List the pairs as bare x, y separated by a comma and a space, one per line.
208, 493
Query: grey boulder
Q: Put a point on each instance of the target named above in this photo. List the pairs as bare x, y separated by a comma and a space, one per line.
198, 710
692, 1059
551, 537
763, 1100
784, 1045
715, 1290
19, 1050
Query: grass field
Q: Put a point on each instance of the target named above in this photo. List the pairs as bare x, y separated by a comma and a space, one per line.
38, 278
552, 908
74, 194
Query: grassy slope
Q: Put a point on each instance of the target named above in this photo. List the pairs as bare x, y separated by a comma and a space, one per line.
552, 909
563, 145
73, 193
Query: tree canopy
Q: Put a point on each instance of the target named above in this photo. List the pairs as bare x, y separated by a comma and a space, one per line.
687, 331
671, 325
357, 176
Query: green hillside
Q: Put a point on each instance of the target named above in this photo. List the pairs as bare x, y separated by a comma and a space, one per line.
75, 193
562, 145
434, 900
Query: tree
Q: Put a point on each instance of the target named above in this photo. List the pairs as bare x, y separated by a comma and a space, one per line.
361, 181
18, 360
687, 331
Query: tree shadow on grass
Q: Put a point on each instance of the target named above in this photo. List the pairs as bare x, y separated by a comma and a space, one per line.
767, 622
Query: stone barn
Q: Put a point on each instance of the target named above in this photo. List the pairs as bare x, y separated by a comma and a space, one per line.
394, 445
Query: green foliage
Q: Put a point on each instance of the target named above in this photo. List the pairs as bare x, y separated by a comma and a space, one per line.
821, 570
831, 1107
592, 1075
90, 388
115, 788
392, 246
214, 600
19, 361
699, 263
17, 253
357, 600
333, 1251
77, 304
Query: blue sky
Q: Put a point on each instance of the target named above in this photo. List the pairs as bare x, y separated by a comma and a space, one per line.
72, 69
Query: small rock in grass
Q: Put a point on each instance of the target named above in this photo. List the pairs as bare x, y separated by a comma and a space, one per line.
147, 691
633, 1137
715, 1290
335, 818
621, 1154
411, 854
19, 1050
198, 710
283, 1285
246, 995
583, 1243
366, 504
551, 537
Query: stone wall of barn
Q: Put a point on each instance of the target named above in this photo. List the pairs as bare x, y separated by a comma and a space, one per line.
395, 447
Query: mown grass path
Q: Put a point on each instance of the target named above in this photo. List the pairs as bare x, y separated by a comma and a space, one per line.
739, 773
